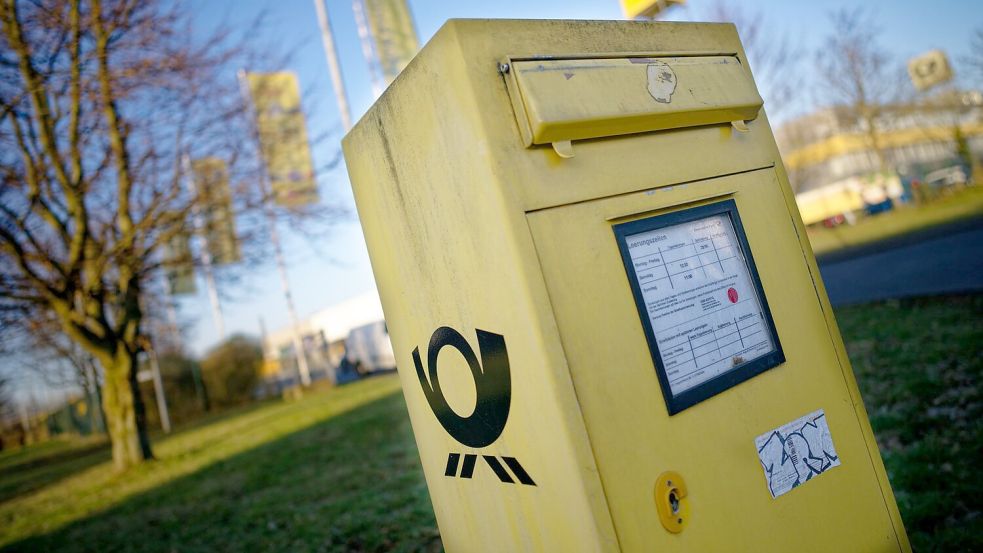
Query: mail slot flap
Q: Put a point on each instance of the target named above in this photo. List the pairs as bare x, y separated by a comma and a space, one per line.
576, 99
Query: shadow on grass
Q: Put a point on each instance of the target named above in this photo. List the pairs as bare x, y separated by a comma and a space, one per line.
36, 472
46, 464
349, 483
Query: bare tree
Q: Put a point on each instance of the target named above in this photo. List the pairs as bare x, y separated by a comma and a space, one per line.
774, 57
975, 60
99, 101
58, 361
855, 72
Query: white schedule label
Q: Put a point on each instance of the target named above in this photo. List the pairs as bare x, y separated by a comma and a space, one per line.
700, 300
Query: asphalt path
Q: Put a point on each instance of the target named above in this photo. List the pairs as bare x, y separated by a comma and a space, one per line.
942, 260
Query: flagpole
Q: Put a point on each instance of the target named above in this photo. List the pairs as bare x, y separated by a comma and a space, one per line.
150, 348
305, 374
302, 368
178, 344
368, 50
162, 410
206, 256
172, 323
334, 65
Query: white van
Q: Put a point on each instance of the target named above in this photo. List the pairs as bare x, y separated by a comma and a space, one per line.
368, 349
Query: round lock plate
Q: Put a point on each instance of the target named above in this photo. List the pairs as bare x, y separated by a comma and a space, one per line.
671, 501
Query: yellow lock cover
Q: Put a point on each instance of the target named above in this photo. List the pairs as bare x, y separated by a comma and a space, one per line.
671, 502
527, 297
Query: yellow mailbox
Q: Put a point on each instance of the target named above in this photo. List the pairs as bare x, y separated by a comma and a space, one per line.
610, 328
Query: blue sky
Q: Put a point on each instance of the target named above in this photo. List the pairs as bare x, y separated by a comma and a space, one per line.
338, 267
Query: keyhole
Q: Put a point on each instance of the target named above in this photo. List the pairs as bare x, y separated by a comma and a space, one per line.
674, 502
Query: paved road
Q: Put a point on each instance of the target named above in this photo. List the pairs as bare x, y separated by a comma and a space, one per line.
938, 261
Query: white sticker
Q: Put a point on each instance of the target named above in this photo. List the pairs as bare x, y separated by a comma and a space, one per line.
661, 81
796, 452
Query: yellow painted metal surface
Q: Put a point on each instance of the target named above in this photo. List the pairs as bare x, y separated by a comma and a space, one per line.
531, 390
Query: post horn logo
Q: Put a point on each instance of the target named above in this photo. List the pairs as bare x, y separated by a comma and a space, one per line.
493, 384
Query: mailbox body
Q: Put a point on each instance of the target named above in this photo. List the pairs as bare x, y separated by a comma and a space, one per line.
474, 223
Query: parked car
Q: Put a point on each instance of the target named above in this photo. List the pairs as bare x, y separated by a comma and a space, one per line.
947, 177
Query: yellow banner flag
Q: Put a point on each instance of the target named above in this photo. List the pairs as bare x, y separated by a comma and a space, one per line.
283, 137
211, 178
393, 35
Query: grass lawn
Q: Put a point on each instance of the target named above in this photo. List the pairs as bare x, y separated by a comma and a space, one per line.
32, 468
962, 205
334, 471
338, 469
919, 364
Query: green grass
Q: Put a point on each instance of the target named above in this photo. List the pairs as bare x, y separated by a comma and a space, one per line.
962, 205
335, 471
32, 468
919, 364
338, 469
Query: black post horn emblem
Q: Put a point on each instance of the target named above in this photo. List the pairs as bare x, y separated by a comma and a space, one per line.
493, 383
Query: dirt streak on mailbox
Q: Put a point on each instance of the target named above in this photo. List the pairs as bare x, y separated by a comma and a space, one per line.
610, 329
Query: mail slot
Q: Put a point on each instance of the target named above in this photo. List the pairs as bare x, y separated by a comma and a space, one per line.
576, 99
610, 328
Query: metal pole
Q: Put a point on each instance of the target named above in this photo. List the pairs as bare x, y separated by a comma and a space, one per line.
25, 419
173, 329
368, 49
165, 417
151, 350
213, 295
179, 345
305, 374
206, 256
302, 368
172, 322
334, 65
98, 389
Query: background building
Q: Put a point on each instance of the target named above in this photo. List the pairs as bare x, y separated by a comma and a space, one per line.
913, 139
839, 165
323, 335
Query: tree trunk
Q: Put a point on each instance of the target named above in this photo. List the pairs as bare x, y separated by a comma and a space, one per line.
874, 138
123, 407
